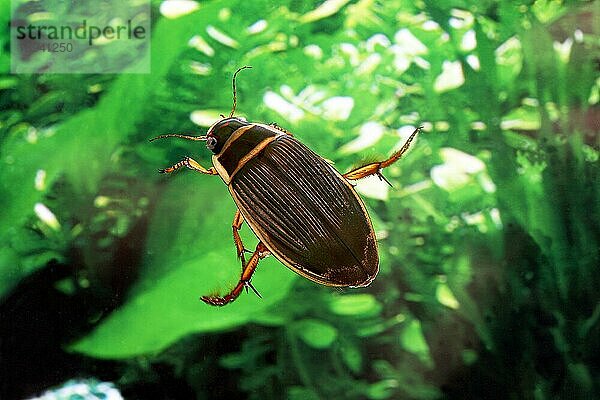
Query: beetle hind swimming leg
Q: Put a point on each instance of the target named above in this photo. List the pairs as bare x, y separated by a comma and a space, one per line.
376, 167
247, 271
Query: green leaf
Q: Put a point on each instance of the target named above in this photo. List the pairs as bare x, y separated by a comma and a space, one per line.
354, 304
413, 341
315, 333
326, 9
351, 356
301, 393
445, 296
180, 266
83, 147
382, 389
523, 118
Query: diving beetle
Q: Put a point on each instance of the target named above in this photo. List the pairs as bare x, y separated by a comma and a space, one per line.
302, 210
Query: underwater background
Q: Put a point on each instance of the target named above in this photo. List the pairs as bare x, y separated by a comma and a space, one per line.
489, 238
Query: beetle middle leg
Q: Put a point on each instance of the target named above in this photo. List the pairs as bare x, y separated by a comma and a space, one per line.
376, 167
260, 252
191, 164
236, 225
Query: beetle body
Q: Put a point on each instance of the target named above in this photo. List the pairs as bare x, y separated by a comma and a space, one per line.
304, 212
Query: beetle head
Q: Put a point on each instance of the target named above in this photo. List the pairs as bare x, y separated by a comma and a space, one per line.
218, 134
221, 130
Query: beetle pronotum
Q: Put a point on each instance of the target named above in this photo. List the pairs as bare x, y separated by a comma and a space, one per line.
303, 211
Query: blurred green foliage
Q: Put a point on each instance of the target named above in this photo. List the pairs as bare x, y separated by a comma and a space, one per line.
489, 239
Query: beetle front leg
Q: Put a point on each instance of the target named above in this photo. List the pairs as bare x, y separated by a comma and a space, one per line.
376, 167
191, 164
244, 282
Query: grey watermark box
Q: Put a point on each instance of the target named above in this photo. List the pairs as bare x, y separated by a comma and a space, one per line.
84, 36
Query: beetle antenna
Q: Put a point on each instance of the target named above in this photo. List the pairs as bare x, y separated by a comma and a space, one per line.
234, 93
188, 137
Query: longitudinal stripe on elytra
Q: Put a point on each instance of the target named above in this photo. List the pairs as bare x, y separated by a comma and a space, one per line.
295, 193
272, 199
245, 191
290, 146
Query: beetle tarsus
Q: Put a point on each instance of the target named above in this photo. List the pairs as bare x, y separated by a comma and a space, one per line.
191, 164
215, 300
248, 269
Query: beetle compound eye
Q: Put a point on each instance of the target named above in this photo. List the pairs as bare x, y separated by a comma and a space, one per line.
211, 142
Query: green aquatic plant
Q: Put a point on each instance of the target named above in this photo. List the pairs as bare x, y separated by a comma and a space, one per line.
488, 238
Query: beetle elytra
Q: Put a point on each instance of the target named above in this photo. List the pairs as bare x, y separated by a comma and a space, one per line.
302, 210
